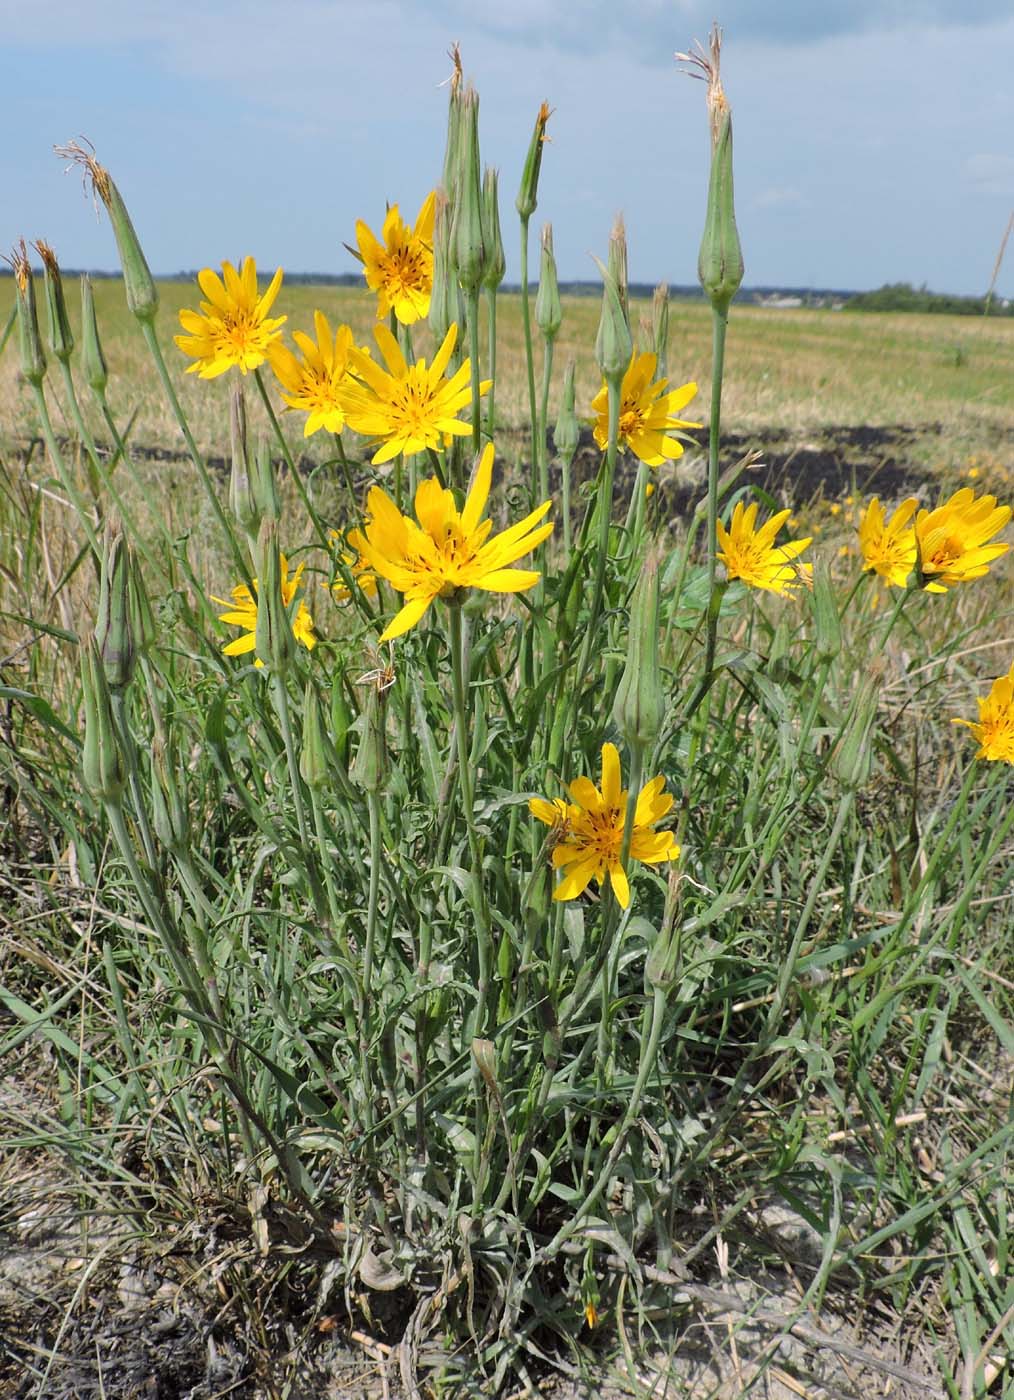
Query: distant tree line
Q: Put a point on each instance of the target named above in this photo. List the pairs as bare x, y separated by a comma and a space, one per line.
902, 296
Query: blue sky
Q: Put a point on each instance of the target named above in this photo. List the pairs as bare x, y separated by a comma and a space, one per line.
874, 138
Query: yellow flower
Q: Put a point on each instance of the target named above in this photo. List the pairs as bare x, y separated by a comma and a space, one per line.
232, 327
888, 546
313, 385
357, 567
647, 413
446, 550
953, 539
753, 556
400, 270
589, 830
995, 727
407, 407
243, 613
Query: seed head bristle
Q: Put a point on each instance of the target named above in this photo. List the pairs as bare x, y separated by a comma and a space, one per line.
47, 255
710, 72
76, 155
454, 54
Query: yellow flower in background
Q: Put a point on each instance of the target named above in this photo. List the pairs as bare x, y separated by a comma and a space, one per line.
995, 727
407, 407
312, 385
590, 830
447, 550
232, 326
751, 554
647, 413
953, 540
357, 567
400, 270
888, 546
243, 613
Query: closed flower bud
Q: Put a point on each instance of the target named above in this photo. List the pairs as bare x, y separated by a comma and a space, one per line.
444, 295
613, 343
660, 330
469, 248
450, 176
639, 706
169, 814
369, 767
720, 261
242, 496
61, 337
496, 262
265, 487
528, 193
827, 624
567, 433
142, 621
313, 754
853, 757
101, 761
33, 361
274, 642
548, 311
616, 261
92, 359
113, 631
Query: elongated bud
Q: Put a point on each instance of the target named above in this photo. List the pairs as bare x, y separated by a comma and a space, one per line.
613, 343
660, 330
273, 637
824, 602
450, 178
444, 296
265, 487
720, 262
242, 496
101, 761
61, 337
528, 193
496, 262
853, 757
92, 359
169, 813
639, 707
313, 754
484, 1054
469, 248
617, 262
567, 433
114, 634
142, 620
33, 360
369, 767
142, 294
548, 311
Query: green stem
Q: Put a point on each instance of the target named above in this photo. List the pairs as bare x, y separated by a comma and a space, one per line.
543, 455
369, 953
290, 462
491, 332
526, 322
281, 697
473, 356
568, 532
719, 323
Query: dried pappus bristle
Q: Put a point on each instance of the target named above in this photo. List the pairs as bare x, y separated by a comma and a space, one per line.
710, 72
76, 155
47, 255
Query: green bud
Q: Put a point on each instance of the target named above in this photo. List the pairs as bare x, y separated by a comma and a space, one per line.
548, 311
114, 635
170, 816
469, 248
444, 296
450, 177
639, 706
616, 261
720, 261
496, 262
33, 361
613, 343
853, 756
142, 620
528, 193
370, 764
265, 487
101, 761
61, 337
341, 719
275, 644
826, 622
93, 360
567, 433
313, 755
660, 330
242, 496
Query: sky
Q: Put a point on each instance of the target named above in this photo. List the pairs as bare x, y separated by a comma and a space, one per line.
874, 139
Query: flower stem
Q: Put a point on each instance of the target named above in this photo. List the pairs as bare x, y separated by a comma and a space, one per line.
473, 355
719, 324
491, 357
289, 461
369, 953
281, 697
526, 323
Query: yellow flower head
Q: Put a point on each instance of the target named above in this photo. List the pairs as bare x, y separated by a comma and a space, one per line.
647, 413
407, 407
242, 612
357, 567
753, 556
232, 327
313, 384
447, 549
400, 270
995, 729
589, 830
953, 539
888, 546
